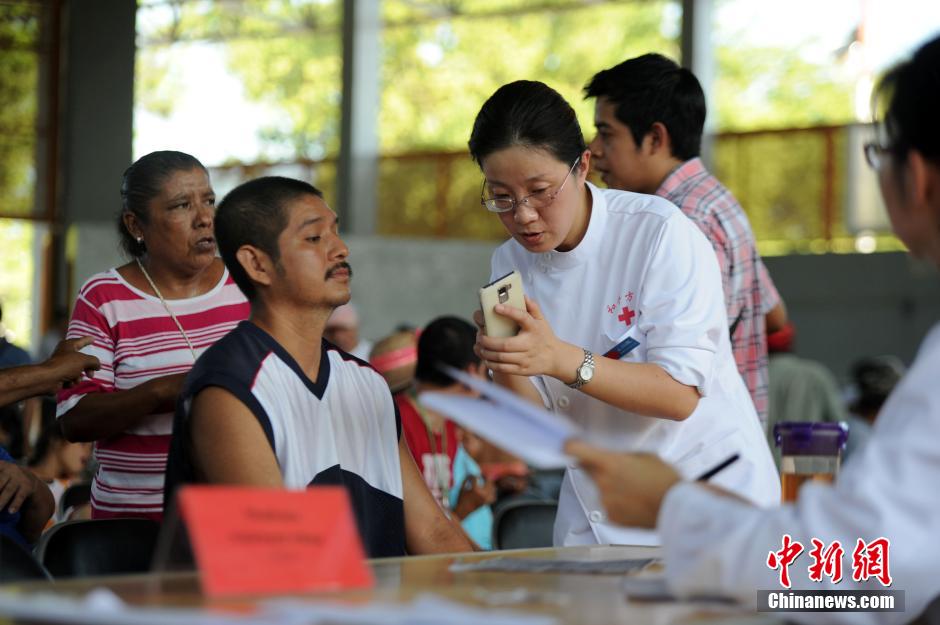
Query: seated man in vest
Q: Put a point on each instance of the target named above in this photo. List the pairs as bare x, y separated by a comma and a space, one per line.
273, 404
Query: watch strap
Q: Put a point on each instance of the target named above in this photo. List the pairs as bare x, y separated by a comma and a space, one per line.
580, 381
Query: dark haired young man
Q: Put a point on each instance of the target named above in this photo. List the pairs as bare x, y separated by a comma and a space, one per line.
649, 116
274, 404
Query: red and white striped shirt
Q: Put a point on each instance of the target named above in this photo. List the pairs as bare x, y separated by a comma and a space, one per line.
136, 341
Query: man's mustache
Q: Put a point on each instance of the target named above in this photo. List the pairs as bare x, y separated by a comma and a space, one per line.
337, 267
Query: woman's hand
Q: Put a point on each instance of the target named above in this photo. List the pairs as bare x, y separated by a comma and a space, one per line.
640, 387
102, 415
535, 350
165, 390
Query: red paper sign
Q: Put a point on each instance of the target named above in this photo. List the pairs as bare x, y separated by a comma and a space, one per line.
263, 541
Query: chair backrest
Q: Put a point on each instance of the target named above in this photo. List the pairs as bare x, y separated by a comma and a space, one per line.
18, 564
74, 495
98, 547
524, 524
546, 483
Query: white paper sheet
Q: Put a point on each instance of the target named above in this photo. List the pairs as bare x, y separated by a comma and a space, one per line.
534, 434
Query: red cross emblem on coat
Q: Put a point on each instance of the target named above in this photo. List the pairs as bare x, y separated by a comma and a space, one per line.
627, 316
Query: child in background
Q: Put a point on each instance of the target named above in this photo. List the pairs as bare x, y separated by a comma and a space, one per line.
59, 464
472, 495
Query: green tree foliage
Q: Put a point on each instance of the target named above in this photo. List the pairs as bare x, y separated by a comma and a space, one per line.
763, 87
19, 43
440, 60
16, 278
159, 80
287, 53
436, 74
19, 37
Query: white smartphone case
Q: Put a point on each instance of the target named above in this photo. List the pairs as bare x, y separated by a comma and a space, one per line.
506, 290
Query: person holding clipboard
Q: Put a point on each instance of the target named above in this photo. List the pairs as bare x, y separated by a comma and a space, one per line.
624, 329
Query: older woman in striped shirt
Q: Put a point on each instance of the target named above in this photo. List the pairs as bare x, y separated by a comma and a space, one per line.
150, 319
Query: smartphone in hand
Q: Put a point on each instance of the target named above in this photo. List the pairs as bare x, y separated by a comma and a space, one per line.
505, 290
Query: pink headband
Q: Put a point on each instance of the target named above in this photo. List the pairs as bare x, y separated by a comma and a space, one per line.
395, 359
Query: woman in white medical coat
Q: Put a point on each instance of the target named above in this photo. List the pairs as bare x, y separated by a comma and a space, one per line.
625, 330
716, 544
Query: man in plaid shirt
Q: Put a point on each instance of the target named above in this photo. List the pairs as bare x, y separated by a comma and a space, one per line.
649, 114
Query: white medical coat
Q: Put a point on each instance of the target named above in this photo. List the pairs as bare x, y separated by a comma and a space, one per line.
644, 270
886, 490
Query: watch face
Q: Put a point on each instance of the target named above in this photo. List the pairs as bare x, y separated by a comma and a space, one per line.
586, 372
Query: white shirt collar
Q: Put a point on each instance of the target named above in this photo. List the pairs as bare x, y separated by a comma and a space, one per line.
589, 245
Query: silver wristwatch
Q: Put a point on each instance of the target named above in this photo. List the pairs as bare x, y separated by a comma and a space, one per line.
585, 371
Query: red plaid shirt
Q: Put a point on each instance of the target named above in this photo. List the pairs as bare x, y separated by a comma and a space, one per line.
749, 292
